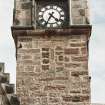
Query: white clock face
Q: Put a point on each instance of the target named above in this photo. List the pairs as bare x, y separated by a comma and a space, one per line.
51, 16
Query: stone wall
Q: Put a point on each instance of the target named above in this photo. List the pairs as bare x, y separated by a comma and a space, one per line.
24, 12
53, 70
79, 12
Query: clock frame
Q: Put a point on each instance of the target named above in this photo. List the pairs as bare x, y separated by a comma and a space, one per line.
51, 16
40, 4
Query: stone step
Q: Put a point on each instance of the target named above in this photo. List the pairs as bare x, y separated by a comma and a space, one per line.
13, 99
8, 88
4, 77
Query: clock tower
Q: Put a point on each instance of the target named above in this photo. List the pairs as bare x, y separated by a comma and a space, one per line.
51, 38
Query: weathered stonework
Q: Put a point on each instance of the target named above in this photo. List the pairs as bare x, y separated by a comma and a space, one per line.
52, 64
52, 68
24, 14
79, 12
7, 96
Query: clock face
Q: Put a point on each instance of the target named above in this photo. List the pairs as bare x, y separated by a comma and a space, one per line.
51, 16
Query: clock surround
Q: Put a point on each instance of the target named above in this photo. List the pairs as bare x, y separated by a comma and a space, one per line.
51, 16
58, 17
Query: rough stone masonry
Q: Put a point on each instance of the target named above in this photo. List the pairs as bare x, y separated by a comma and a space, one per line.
52, 69
52, 65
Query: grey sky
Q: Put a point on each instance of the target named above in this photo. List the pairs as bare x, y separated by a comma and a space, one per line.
96, 50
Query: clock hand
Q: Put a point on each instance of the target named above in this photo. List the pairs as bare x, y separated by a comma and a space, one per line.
48, 19
53, 16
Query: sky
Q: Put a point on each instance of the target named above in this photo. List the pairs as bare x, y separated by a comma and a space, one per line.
96, 46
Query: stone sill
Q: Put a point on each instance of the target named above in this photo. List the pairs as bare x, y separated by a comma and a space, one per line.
33, 28
72, 30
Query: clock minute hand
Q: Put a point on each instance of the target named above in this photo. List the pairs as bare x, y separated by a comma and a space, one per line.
49, 18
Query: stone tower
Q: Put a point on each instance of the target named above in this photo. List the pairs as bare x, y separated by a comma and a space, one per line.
7, 95
51, 38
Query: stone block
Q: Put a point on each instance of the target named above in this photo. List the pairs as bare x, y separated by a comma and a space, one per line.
82, 44
84, 50
76, 99
4, 78
78, 73
28, 62
60, 68
45, 67
78, 20
8, 88
45, 61
82, 12
59, 53
27, 57
45, 54
59, 48
56, 88
67, 98
45, 49
72, 65
24, 39
79, 59
26, 5
71, 51
75, 91
66, 59
60, 58
86, 91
